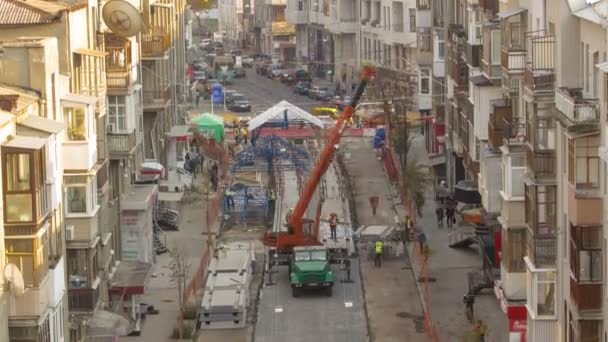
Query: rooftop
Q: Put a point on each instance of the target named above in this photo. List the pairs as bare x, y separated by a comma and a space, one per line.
19, 12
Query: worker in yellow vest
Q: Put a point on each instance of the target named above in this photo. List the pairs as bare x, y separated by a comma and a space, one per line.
244, 134
378, 258
237, 133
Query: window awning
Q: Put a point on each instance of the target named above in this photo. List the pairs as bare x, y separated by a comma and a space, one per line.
75, 100
42, 124
511, 12
90, 52
29, 143
131, 278
170, 196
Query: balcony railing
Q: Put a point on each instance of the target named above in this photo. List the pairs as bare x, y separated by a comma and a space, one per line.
575, 107
588, 297
513, 61
473, 55
34, 302
501, 111
514, 132
121, 144
423, 4
458, 69
539, 74
118, 78
157, 98
491, 70
155, 44
542, 250
541, 164
83, 300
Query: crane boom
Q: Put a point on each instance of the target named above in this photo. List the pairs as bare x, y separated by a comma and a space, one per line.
296, 236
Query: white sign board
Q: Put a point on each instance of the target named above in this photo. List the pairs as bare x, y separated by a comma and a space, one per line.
238, 61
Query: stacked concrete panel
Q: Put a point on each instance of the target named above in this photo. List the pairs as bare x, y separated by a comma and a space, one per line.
226, 297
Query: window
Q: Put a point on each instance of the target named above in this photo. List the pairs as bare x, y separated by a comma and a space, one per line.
412, 20
31, 256
117, 112
80, 194
19, 203
586, 253
583, 162
75, 121
543, 292
424, 41
514, 249
425, 81
496, 47
300, 6
541, 213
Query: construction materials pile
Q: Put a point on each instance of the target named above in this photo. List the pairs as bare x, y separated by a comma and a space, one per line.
226, 295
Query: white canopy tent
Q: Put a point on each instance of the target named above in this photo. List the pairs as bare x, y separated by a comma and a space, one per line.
281, 112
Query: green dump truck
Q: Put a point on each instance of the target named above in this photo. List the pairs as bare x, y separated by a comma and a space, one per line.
309, 269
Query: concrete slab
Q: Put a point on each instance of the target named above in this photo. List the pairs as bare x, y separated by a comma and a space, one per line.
312, 317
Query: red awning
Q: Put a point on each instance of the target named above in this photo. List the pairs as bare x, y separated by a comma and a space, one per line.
130, 278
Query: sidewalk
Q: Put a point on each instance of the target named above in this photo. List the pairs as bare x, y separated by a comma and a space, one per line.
393, 304
162, 290
449, 268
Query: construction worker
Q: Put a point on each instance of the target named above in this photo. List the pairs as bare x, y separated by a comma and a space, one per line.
229, 197
244, 134
408, 228
237, 132
378, 254
333, 224
271, 200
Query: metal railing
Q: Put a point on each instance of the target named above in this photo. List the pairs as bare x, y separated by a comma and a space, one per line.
83, 300
118, 78
155, 43
423, 4
121, 143
542, 250
513, 60
571, 103
514, 132
541, 164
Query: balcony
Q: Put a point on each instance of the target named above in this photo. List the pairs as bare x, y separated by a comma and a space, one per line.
121, 145
157, 99
501, 113
473, 55
587, 297
541, 164
492, 71
579, 110
584, 210
514, 132
79, 155
33, 303
539, 75
155, 44
57, 281
513, 61
542, 250
489, 5
83, 300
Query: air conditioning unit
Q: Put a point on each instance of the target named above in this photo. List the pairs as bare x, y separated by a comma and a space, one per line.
111, 128
69, 233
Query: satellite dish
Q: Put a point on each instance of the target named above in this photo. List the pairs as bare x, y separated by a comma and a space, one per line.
122, 18
12, 275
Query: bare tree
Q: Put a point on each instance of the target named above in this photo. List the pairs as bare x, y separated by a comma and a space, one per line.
180, 272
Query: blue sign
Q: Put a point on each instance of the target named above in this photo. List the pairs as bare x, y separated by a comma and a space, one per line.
217, 92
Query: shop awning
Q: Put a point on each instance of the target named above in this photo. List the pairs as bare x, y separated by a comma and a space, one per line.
131, 278
42, 124
170, 196
180, 133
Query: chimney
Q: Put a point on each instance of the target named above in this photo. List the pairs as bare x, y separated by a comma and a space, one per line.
8, 102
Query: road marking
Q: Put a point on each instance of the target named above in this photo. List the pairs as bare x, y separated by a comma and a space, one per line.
278, 309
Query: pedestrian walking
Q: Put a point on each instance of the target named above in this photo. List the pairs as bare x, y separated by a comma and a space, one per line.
408, 229
333, 225
421, 240
237, 133
374, 201
378, 254
271, 201
450, 216
439, 213
469, 302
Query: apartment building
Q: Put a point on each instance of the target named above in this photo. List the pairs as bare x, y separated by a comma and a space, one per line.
231, 21
274, 35
327, 38
32, 137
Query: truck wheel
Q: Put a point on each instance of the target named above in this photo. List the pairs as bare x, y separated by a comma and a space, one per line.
329, 291
295, 292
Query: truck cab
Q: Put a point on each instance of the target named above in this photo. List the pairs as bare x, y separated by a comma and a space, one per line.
309, 268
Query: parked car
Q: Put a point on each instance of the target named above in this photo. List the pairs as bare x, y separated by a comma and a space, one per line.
302, 87
302, 75
247, 61
315, 92
239, 103
325, 94
229, 94
240, 72
287, 77
262, 68
275, 72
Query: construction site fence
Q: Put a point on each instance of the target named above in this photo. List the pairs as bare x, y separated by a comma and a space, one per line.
395, 173
212, 211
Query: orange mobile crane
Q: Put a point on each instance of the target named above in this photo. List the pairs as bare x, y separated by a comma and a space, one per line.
296, 236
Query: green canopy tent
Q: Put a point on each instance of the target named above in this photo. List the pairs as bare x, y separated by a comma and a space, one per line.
210, 125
